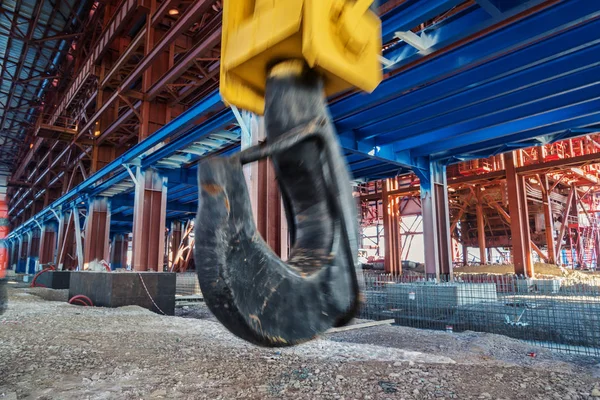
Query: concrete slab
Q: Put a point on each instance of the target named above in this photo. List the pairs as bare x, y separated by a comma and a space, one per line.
152, 290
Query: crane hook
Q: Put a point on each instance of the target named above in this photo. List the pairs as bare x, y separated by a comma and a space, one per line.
255, 294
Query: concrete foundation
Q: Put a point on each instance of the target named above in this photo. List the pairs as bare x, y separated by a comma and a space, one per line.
448, 296
538, 285
54, 279
119, 289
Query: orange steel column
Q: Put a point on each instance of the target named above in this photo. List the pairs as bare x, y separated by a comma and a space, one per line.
480, 226
175, 241
391, 228
48, 244
463, 236
64, 259
263, 189
269, 206
153, 114
97, 230
149, 220
548, 219
519, 218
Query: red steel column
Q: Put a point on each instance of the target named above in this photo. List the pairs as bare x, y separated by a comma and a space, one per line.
48, 244
269, 206
519, 218
264, 192
463, 236
548, 219
480, 227
97, 230
436, 220
64, 259
391, 228
175, 241
149, 220
118, 252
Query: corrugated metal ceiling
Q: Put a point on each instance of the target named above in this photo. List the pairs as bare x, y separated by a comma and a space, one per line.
22, 23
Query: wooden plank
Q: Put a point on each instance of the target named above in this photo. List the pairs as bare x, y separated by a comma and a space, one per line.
360, 326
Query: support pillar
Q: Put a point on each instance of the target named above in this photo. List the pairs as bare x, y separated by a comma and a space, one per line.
48, 244
436, 220
118, 252
175, 241
60, 234
480, 227
267, 207
97, 230
519, 218
463, 235
149, 220
22, 258
391, 228
65, 259
548, 219
14, 254
33, 249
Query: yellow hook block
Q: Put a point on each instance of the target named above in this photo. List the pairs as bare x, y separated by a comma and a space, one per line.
339, 38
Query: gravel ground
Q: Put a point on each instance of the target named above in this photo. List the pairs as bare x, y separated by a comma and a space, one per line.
53, 350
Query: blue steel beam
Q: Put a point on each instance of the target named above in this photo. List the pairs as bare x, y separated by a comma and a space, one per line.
172, 206
490, 7
529, 127
529, 30
405, 18
547, 134
517, 68
558, 93
439, 35
452, 29
515, 83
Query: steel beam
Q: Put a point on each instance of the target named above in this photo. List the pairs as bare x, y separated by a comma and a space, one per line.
404, 19
391, 228
118, 251
149, 219
174, 73
175, 237
48, 244
480, 226
548, 219
97, 230
519, 225
436, 221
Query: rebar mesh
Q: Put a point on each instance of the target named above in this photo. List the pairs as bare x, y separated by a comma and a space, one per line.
187, 284
555, 313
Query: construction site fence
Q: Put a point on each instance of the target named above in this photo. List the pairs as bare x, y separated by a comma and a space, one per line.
560, 314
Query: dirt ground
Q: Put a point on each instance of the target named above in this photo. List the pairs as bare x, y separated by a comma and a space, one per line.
541, 270
53, 350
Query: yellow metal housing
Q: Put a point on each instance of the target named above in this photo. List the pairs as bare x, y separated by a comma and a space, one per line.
339, 38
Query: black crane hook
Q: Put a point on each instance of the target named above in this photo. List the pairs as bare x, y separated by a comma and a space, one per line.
245, 284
